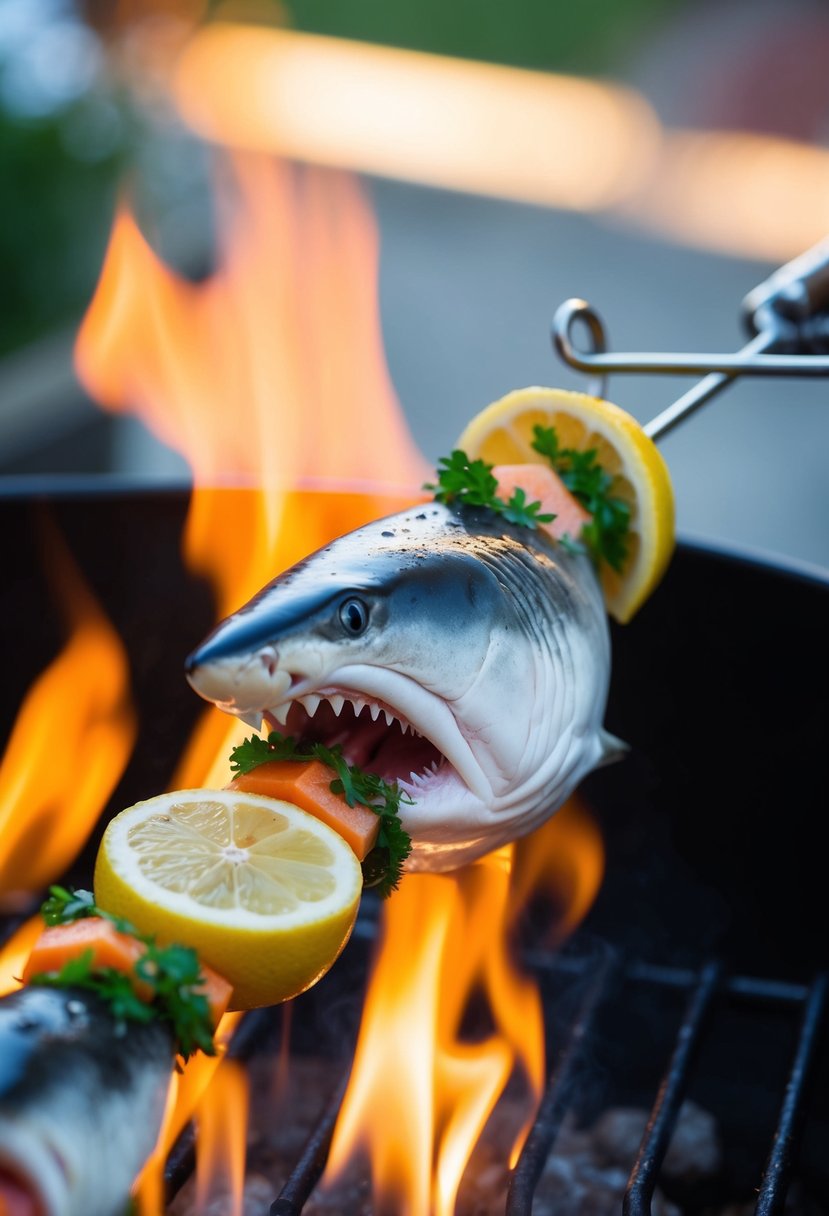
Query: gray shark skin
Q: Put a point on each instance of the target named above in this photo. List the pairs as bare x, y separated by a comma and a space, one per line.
81, 1103
466, 658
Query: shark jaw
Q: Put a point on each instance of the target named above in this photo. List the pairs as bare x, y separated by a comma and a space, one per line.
385, 722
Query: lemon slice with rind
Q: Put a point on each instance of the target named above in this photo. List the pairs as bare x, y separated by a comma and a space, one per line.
265, 893
502, 433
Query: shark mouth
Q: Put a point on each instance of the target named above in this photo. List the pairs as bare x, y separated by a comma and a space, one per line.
408, 736
371, 736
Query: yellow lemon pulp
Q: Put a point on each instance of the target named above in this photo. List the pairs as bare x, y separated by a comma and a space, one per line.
503, 434
265, 893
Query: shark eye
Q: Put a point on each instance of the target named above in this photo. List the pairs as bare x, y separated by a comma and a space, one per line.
354, 617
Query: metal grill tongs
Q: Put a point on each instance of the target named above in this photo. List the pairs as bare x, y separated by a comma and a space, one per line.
786, 317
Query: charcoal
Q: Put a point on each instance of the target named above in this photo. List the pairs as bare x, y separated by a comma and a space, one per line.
693, 1153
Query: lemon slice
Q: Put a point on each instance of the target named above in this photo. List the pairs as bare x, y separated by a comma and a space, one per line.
503, 434
265, 893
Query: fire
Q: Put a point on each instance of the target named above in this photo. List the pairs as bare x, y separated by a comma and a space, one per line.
70, 743
189, 1088
15, 952
565, 860
269, 377
269, 372
222, 1123
420, 1093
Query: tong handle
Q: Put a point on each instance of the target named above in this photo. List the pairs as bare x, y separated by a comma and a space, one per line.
787, 318
795, 292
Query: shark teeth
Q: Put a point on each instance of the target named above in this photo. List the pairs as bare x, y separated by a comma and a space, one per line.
419, 780
311, 701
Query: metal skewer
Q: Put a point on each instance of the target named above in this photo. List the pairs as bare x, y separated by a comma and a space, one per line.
787, 317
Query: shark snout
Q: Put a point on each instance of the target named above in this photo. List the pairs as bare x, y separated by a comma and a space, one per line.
239, 683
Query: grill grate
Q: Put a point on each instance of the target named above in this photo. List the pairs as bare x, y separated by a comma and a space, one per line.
707, 988
308, 1170
781, 1160
599, 977
555, 1103
707, 993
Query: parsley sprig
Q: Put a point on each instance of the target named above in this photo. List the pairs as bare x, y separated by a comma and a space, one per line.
172, 972
605, 534
383, 867
471, 483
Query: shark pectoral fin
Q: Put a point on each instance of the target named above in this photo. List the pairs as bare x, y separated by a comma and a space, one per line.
612, 749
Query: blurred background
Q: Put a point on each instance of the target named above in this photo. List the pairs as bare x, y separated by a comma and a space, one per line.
658, 157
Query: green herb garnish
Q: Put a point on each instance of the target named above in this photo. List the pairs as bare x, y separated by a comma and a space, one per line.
605, 535
65, 906
470, 483
383, 867
173, 973
112, 985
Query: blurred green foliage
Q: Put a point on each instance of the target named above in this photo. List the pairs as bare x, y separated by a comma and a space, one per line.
55, 216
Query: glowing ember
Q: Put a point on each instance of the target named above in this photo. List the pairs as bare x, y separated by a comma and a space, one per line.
70, 744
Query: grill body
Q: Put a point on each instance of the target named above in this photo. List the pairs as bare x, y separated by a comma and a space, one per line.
697, 971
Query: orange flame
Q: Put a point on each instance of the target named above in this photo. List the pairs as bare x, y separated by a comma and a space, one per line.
16, 951
222, 1125
188, 1089
419, 1095
221, 520
565, 859
270, 371
265, 376
70, 744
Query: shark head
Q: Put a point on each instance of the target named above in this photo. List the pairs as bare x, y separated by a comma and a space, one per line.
428, 647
